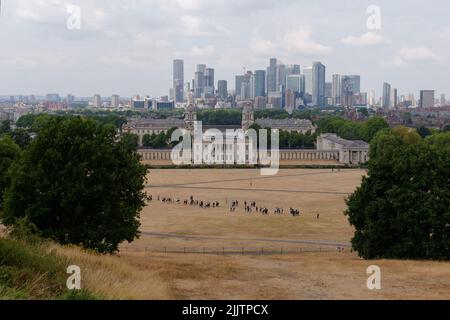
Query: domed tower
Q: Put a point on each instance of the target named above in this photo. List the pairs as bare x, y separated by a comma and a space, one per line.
248, 117
190, 116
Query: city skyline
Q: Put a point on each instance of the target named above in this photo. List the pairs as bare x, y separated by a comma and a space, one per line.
110, 56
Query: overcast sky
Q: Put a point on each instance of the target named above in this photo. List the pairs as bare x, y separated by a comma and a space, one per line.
127, 46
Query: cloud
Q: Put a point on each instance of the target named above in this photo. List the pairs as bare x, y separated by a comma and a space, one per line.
299, 41
408, 55
142, 40
194, 26
366, 39
262, 47
208, 51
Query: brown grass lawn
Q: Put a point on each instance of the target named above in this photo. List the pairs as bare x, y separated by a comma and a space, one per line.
297, 274
293, 266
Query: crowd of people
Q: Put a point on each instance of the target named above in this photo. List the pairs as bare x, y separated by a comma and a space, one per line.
248, 206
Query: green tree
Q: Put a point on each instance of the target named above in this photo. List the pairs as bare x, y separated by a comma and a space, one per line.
424, 132
9, 152
5, 127
21, 137
131, 139
371, 127
402, 208
147, 141
78, 185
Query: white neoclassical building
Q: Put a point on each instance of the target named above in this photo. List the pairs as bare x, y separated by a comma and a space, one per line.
350, 151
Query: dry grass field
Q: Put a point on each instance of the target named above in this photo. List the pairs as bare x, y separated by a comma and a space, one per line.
284, 257
266, 257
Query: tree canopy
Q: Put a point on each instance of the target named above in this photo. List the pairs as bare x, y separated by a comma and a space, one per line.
78, 184
402, 208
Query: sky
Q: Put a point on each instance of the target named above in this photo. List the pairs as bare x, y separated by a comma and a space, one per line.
126, 47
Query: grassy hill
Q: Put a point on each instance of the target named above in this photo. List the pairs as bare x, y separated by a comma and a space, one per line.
38, 271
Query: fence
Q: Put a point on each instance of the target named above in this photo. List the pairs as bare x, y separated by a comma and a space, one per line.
243, 251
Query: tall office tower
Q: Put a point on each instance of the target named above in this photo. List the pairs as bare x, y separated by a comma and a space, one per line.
281, 76
336, 91
294, 83
97, 101
245, 90
410, 97
238, 86
252, 83
70, 99
293, 69
272, 76
328, 90
290, 100
222, 86
201, 68
318, 79
209, 81
426, 98
307, 72
115, 99
350, 85
178, 80
443, 101
199, 84
386, 95
260, 83
371, 98
394, 98
355, 82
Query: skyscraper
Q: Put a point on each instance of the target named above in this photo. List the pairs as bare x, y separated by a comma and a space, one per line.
199, 82
209, 81
281, 76
97, 101
260, 83
115, 99
272, 76
350, 85
178, 80
294, 83
426, 98
443, 101
336, 90
307, 72
394, 98
386, 95
222, 89
238, 85
371, 98
318, 84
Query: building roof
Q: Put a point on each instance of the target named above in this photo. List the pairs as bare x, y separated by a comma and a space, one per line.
285, 123
156, 123
353, 144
